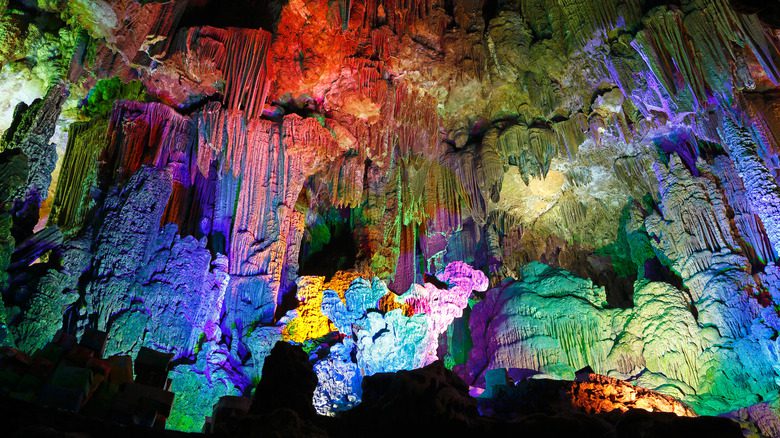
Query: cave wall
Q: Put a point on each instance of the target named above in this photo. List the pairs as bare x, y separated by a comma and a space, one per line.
608, 170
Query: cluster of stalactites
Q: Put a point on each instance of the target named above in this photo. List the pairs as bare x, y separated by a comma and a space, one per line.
694, 208
72, 200
148, 133
690, 62
241, 56
221, 168
399, 15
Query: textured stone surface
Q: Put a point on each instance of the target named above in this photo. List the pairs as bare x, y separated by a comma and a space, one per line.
608, 168
309, 321
339, 383
199, 386
551, 322
590, 393
125, 241
41, 317
404, 337
386, 333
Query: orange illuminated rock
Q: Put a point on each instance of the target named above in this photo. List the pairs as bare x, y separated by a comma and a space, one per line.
599, 394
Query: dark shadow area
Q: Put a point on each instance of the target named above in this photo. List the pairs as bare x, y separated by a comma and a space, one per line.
234, 13
328, 245
619, 288
768, 11
490, 8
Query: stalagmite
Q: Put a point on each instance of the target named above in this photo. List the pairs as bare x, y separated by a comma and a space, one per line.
762, 190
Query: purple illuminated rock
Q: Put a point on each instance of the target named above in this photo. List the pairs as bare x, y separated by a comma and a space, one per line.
763, 193
125, 243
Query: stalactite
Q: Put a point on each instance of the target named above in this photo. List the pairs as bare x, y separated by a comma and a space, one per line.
368, 79
762, 190
749, 226
263, 166
78, 174
241, 57
571, 132
765, 48
763, 112
347, 182
416, 121
491, 167
666, 41
400, 15
578, 337
246, 70
152, 134
530, 149
204, 45
715, 49
585, 20
572, 211
465, 164
694, 223
380, 42
637, 173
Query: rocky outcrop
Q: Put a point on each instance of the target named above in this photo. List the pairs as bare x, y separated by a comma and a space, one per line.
385, 333
41, 317
555, 323
406, 335
339, 383
31, 132
14, 176
125, 240
762, 191
609, 169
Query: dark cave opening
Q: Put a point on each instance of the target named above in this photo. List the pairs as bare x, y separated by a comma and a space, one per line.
618, 288
489, 10
655, 270
234, 13
767, 11
328, 244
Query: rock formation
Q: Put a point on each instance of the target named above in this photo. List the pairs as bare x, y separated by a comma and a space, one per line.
536, 185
